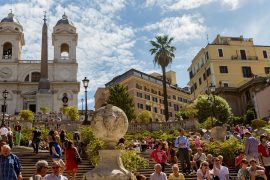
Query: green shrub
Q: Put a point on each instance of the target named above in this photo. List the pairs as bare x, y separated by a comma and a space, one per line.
44, 109
208, 123
258, 123
26, 135
236, 120
132, 161
229, 149
26, 115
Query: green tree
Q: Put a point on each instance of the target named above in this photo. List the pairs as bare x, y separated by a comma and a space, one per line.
163, 54
215, 106
249, 116
144, 117
118, 96
186, 112
26, 115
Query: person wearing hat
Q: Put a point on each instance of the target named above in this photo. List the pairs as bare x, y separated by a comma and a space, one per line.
255, 171
263, 150
251, 147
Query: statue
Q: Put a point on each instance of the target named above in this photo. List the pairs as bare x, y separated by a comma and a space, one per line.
109, 124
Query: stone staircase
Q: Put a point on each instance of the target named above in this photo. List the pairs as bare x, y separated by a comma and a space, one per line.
28, 160
148, 171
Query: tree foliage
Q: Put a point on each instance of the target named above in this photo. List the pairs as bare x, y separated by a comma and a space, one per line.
26, 115
187, 112
215, 106
249, 116
163, 54
144, 117
118, 96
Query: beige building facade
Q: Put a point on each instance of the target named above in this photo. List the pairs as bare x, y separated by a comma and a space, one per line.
146, 91
229, 63
21, 77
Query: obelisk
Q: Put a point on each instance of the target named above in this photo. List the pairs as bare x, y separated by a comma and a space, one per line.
44, 95
44, 84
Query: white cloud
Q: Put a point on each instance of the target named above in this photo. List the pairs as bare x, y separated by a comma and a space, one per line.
188, 4
182, 28
236, 4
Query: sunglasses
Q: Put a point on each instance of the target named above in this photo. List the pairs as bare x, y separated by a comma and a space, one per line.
56, 167
204, 165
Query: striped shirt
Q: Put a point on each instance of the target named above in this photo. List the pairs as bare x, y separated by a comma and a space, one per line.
181, 142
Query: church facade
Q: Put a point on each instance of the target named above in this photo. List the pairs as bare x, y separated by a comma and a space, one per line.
32, 84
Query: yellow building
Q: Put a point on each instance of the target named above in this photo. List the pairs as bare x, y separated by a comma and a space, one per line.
228, 62
146, 90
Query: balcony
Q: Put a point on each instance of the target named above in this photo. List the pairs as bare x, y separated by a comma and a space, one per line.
236, 57
33, 61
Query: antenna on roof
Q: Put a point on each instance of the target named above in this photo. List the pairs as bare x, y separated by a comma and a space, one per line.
11, 7
207, 38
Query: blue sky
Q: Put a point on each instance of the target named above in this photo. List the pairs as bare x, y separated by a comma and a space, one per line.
114, 35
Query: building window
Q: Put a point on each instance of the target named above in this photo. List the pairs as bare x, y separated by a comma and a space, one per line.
153, 91
138, 86
170, 114
243, 55
267, 70
140, 106
176, 107
148, 107
220, 52
206, 56
174, 97
146, 96
208, 72
146, 89
170, 104
247, 71
161, 101
139, 94
169, 97
185, 100
265, 55
162, 111
154, 99
223, 69
204, 76
64, 51
155, 109
180, 99
200, 81
7, 50
35, 77
195, 86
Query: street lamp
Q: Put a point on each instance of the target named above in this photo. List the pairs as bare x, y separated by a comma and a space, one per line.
212, 89
4, 94
82, 104
85, 85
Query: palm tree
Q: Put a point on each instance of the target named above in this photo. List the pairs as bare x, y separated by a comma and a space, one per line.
164, 53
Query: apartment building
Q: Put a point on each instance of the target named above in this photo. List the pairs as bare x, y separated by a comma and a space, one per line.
147, 93
229, 63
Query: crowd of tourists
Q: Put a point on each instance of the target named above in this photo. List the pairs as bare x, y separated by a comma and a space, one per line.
64, 154
252, 163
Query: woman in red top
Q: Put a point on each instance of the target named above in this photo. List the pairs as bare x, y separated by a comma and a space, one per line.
264, 152
71, 164
159, 156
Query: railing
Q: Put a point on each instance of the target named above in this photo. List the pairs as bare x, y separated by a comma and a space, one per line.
155, 126
236, 57
33, 61
7, 57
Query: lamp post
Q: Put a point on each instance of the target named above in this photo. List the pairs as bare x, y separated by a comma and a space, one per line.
4, 94
85, 85
212, 89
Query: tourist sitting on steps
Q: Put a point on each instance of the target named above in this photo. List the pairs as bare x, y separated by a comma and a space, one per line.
158, 174
176, 175
203, 173
56, 173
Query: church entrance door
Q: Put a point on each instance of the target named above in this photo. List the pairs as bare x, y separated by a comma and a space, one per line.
32, 107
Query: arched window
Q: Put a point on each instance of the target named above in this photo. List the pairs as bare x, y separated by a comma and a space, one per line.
35, 77
64, 51
26, 78
7, 50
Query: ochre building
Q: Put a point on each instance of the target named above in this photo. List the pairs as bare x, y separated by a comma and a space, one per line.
146, 91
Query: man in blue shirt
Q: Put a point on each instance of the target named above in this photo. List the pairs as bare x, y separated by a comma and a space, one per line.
182, 143
10, 166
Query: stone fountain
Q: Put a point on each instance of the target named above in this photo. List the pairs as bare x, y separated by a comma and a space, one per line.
109, 124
